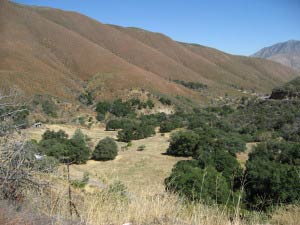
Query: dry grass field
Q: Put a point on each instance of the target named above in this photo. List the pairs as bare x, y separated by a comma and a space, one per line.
146, 201
138, 170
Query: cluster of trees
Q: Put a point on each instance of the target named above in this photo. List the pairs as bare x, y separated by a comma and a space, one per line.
138, 128
171, 123
121, 108
214, 174
57, 145
213, 137
277, 118
135, 131
191, 85
272, 174
75, 150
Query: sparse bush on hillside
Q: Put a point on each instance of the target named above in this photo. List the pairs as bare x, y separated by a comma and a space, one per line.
116, 124
103, 107
100, 116
191, 85
86, 98
165, 101
150, 104
170, 124
49, 108
106, 149
153, 119
121, 109
135, 132
183, 143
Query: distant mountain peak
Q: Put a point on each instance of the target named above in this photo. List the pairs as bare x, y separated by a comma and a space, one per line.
286, 53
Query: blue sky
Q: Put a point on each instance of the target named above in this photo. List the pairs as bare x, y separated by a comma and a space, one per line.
234, 26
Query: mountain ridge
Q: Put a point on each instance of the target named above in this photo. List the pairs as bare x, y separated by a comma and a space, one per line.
286, 53
63, 52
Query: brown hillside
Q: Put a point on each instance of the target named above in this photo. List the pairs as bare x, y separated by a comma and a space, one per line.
52, 51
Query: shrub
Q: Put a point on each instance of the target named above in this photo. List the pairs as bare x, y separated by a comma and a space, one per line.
141, 148
224, 163
79, 151
121, 109
57, 145
49, 108
170, 124
86, 98
135, 132
116, 124
192, 85
165, 101
118, 189
59, 135
100, 117
81, 183
150, 104
106, 149
103, 107
190, 181
183, 143
273, 174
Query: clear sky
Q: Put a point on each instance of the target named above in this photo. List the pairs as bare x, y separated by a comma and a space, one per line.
234, 26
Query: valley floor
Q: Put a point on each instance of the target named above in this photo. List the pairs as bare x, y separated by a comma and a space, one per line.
143, 174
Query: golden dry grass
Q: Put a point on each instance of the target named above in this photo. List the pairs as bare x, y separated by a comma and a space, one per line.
146, 201
242, 157
134, 168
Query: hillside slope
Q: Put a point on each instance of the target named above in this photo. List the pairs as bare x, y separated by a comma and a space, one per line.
51, 51
286, 53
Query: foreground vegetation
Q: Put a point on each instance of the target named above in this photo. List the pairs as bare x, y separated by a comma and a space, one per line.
134, 176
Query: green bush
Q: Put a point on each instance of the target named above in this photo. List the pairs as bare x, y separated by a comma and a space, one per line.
86, 98
170, 124
49, 108
191, 85
103, 107
79, 152
118, 189
150, 104
165, 101
100, 116
183, 143
116, 124
135, 132
81, 183
196, 184
121, 109
223, 162
141, 148
57, 145
272, 173
106, 149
